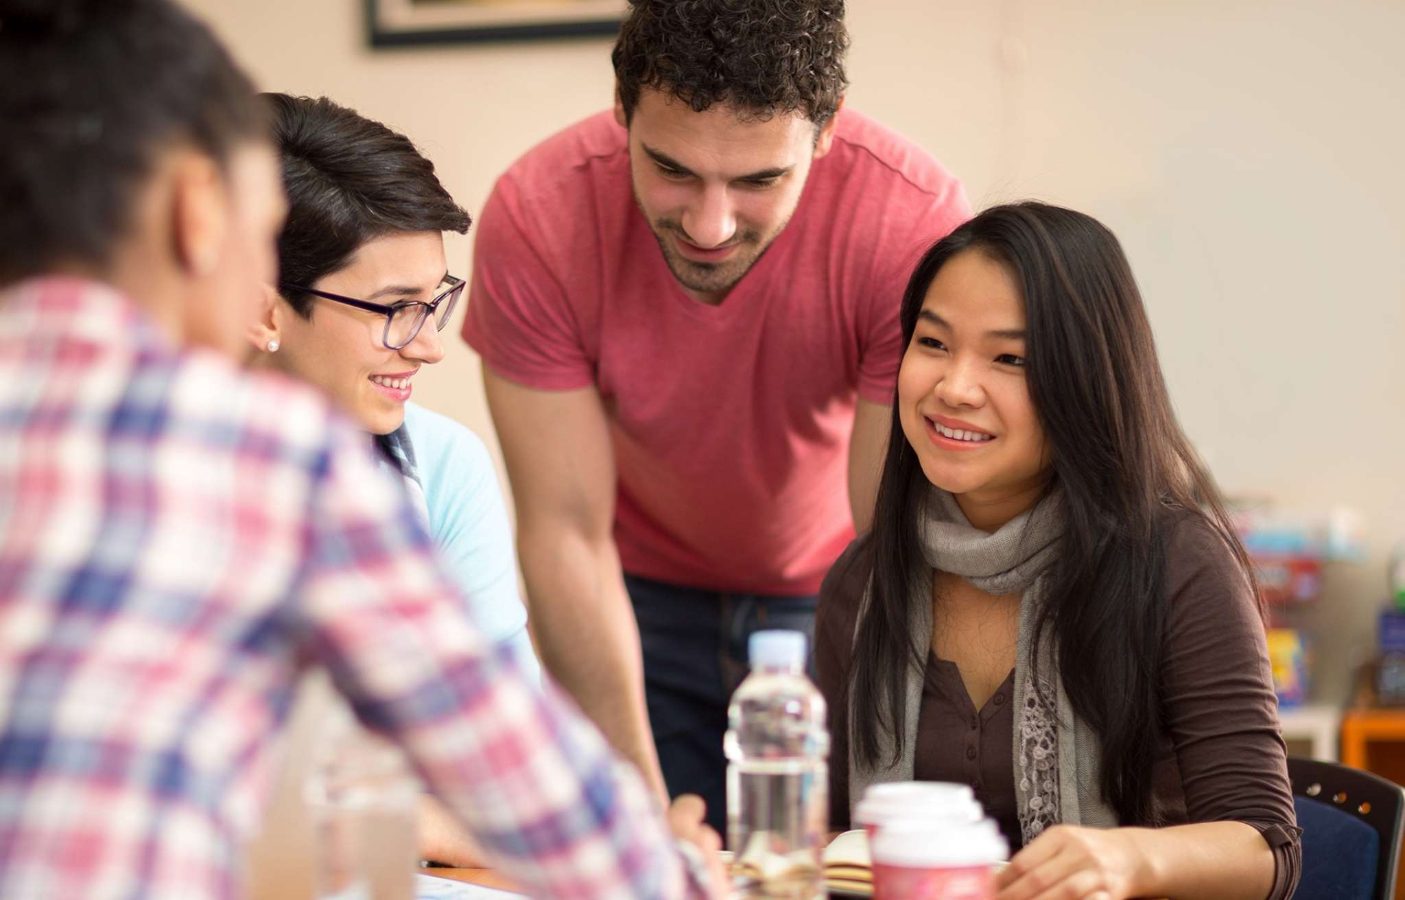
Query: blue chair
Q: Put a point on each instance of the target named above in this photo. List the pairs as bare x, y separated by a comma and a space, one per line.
1351, 822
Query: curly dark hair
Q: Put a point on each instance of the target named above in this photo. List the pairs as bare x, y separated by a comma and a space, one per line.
761, 56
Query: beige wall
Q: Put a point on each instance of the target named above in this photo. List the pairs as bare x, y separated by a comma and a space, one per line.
1248, 154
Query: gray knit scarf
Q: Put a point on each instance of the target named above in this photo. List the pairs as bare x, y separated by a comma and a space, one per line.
1056, 755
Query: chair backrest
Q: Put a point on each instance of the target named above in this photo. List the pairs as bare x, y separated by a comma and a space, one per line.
1351, 822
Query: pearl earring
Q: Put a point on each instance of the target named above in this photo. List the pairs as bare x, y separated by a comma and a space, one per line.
273, 346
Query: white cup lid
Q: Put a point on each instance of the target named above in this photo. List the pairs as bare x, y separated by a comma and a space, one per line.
958, 806
952, 789
920, 844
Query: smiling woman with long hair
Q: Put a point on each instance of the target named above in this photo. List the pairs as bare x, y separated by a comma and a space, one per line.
1051, 605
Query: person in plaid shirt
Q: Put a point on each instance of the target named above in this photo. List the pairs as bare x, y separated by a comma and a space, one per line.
179, 537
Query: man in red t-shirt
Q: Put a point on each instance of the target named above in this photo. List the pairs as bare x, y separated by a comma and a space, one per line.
688, 317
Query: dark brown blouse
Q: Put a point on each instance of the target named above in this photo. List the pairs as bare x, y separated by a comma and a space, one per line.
1219, 756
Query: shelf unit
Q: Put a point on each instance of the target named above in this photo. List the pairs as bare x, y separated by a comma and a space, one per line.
1311, 730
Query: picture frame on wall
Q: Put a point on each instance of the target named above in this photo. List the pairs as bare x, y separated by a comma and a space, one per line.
409, 23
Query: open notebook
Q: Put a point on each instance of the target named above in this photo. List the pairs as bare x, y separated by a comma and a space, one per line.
429, 887
845, 862
847, 865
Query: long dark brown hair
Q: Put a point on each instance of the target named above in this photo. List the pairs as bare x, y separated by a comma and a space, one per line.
1124, 467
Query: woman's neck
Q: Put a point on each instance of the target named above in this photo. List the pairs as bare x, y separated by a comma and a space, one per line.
990, 512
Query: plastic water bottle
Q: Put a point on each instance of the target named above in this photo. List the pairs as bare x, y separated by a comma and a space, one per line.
777, 773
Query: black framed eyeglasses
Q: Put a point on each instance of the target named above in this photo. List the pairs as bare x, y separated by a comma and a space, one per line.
403, 320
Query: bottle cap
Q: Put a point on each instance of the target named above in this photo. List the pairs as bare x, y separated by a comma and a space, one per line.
776, 649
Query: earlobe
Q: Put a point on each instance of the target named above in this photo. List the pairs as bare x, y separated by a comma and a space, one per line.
199, 214
825, 139
264, 333
620, 116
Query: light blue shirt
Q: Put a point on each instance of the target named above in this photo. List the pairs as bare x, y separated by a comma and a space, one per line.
468, 522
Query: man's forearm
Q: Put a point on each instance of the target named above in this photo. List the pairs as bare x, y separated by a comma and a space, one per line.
868, 445
589, 642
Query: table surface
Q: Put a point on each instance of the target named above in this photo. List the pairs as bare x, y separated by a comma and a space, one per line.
482, 877
490, 879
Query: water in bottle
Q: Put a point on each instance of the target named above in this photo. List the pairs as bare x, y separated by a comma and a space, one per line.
777, 775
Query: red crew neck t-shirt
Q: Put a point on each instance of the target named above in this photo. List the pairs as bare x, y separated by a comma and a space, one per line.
730, 423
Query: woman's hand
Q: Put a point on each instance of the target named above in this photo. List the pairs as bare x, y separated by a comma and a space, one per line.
1071, 862
686, 819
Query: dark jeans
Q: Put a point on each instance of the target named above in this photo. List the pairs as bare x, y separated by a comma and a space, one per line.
694, 657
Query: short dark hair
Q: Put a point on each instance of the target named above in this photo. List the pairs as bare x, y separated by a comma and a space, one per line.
349, 179
761, 56
91, 92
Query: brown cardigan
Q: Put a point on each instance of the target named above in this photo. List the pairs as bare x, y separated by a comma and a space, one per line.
1219, 757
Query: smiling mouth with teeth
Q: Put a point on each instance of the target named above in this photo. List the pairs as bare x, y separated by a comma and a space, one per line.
398, 384
956, 434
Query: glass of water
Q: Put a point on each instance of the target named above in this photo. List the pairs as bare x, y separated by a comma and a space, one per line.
364, 804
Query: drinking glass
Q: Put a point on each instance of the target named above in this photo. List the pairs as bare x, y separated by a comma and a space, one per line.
364, 803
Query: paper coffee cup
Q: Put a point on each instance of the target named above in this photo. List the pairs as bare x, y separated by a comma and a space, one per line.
916, 859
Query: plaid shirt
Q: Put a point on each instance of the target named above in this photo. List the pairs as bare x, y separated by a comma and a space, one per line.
178, 538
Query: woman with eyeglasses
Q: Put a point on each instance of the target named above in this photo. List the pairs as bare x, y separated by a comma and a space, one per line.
363, 293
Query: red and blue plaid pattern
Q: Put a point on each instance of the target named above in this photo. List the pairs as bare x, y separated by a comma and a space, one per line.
178, 538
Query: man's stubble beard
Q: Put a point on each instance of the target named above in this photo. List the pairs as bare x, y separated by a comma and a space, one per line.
709, 278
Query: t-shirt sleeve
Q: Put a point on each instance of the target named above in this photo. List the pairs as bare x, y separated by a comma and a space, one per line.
468, 522
913, 227
520, 318
1220, 707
